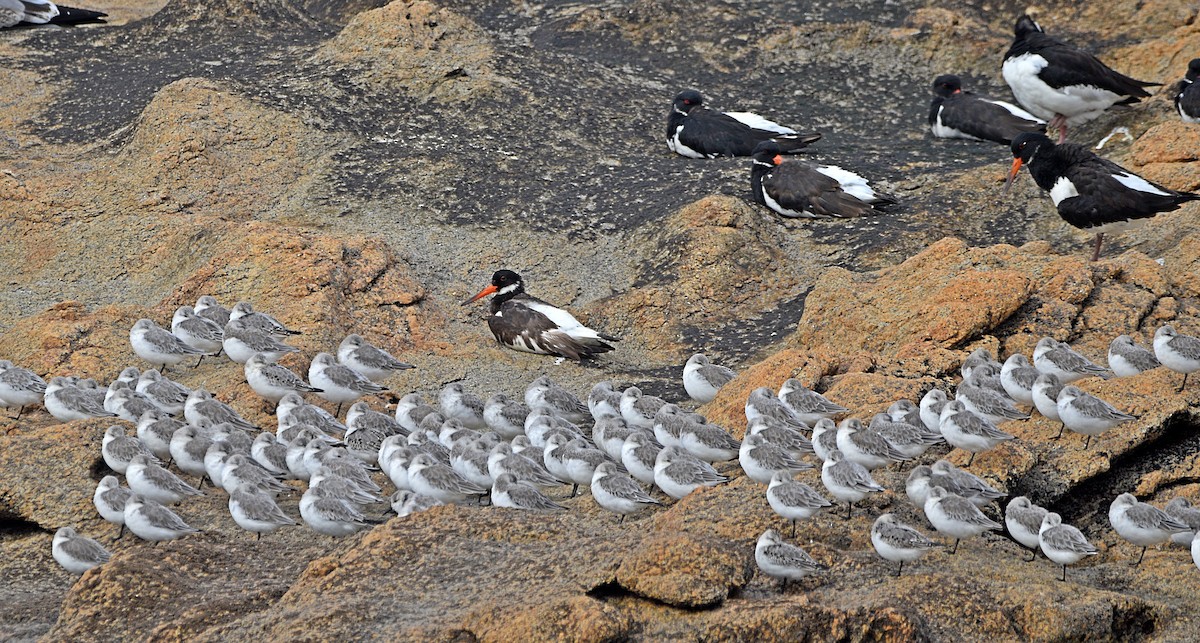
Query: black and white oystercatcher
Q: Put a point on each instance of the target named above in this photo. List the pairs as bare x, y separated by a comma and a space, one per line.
1062, 83
31, 13
698, 132
955, 113
801, 189
523, 322
1091, 193
1187, 101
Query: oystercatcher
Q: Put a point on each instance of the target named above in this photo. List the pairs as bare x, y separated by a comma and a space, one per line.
802, 189
1187, 101
523, 322
1062, 83
39, 12
698, 132
1091, 193
955, 113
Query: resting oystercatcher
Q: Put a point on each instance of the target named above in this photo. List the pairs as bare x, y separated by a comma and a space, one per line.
40, 12
1187, 101
955, 113
1091, 193
523, 322
1062, 83
802, 189
698, 132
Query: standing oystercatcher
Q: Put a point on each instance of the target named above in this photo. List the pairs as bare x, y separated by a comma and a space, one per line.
698, 132
523, 322
1091, 193
802, 189
39, 12
1187, 101
1062, 83
958, 114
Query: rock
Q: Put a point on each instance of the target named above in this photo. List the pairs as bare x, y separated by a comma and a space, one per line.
685, 571
50, 474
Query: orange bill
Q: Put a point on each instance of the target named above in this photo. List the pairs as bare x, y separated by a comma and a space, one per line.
491, 288
1012, 174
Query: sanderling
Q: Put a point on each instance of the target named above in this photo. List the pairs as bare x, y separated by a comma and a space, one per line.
897, 542
1017, 377
761, 460
167, 395
270, 454
1024, 521
542, 426
364, 444
580, 462
955, 516
340, 462
909, 439
201, 333
115, 387
867, 448
639, 410
293, 409
118, 450
429, 477
762, 402
793, 500
509, 492
155, 429
368, 359
156, 483
639, 455
470, 459
188, 447
781, 435
553, 453
1180, 353
1141, 523
931, 407
109, 499
151, 521
76, 553
208, 307
702, 379
617, 492
502, 460
678, 473
954, 480
19, 387
406, 502
256, 511
504, 416
395, 465
1045, 397
979, 357
905, 411
970, 432
709, 442
824, 438
272, 381
1087, 414
242, 472
1063, 544
410, 410
544, 393
609, 434
808, 406
330, 515
244, 312
242, 342
341, 384
456, 402
847, 480
219, 451
604, 400
1127, 359
360, 416
202, 407
129, 405
1181, 509
1058, 359
1196, 551
429, 445
996, 407
158, 346
783, 561
669, 421
67, 403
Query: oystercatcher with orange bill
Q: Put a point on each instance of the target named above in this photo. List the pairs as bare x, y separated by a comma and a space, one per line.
1187, 101
698, 132
1063, 83
1091, 193
30, 13
523, 322
801, 189
955, 113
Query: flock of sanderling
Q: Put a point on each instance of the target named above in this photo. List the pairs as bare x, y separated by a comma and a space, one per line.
620, 444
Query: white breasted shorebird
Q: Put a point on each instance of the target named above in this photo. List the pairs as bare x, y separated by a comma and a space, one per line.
1063, 544
151, 521
1141, 523
784, 561
793, 500
898, 542
1023, 519
955, 516
1087, 414
702, 379
370, 360
808, 406
19, 387
1180, 353
1127, 359
338, 383
158, 346
847, 480
77, 553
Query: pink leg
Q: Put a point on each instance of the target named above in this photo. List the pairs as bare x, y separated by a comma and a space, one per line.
1096, 251
1059, 122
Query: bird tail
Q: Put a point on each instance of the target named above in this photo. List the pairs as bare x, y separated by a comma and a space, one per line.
793, 143
73, 16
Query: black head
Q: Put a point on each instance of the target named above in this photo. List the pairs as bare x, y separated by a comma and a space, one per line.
1193, 71
504, 278
1027, 144
688, 100
768, 152
947, 85
1026, 26
501, 280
